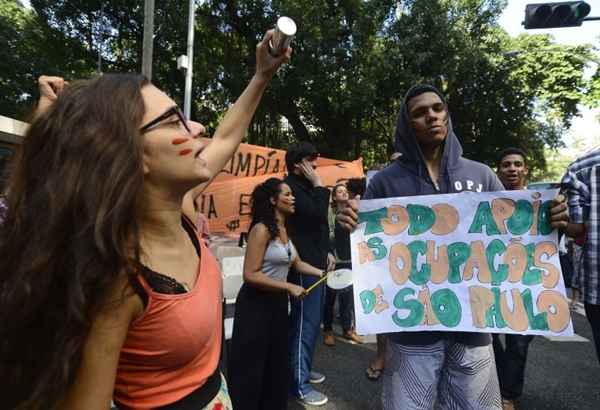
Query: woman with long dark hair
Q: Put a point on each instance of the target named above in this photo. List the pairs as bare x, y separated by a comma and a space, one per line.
105, 289
258, 362
341, 242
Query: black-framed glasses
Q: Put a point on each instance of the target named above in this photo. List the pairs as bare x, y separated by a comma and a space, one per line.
169, 113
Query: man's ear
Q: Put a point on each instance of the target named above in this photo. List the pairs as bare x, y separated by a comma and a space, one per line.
273, 200
525, 170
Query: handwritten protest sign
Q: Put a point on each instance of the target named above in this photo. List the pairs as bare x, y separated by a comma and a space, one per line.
474, 262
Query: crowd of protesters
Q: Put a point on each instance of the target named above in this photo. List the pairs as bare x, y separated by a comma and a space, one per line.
109, 292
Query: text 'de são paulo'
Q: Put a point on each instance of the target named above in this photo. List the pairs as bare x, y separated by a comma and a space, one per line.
469, 262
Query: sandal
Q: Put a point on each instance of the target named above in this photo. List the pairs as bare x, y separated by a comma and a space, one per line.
373, 374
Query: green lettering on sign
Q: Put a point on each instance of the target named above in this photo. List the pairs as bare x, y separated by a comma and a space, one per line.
373, 220
421, 219
378, 248
368, 301
458, 253
419, 277
521, 219
484, 217
544, 227
536, 322
416, 310
493, 316
496, 247
532, 275
446, 307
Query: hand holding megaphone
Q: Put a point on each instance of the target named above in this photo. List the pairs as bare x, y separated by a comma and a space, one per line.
283, 34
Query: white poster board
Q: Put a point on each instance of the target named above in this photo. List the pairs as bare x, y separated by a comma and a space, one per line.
471, 262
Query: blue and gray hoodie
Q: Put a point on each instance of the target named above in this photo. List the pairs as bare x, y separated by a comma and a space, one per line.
408, 176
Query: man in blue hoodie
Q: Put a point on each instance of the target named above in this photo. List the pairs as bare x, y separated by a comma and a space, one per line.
454, 369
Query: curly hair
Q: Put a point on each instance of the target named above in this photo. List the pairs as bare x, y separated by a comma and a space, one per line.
263, 210
70, 232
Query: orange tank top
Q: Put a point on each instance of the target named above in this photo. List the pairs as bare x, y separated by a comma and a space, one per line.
175, 345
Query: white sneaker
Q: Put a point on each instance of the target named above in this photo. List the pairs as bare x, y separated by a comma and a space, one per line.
314, 398
316, 378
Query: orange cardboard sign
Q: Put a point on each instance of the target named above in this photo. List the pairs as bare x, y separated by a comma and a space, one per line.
226, 201
254, 160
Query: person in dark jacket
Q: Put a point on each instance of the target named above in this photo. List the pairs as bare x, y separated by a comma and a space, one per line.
309, 231
454, 369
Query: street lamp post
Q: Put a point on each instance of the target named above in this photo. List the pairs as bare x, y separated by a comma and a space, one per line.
189, 69
148, 39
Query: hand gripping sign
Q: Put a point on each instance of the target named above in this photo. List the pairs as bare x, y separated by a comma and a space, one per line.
469, 262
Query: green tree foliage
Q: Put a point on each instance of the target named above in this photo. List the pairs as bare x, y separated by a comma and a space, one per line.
557, 162
353, 61
592, 97
30, 48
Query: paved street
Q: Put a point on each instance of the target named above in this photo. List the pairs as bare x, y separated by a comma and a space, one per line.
560, 375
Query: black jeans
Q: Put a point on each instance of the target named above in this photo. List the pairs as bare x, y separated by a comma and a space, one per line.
510, 363
566, 265
346, 308
592, 312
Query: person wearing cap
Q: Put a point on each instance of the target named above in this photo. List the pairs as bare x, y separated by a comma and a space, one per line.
452, 369
309, 231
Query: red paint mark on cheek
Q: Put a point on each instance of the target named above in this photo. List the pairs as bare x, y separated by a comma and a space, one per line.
178, 141
184, 152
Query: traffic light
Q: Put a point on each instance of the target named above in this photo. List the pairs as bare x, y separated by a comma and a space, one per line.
553, 15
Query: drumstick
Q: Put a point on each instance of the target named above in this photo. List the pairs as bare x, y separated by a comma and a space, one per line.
317, 283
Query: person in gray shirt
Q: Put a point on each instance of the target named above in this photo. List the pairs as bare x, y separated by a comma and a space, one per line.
258, 361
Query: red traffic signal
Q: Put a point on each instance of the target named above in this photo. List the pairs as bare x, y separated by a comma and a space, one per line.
554, 15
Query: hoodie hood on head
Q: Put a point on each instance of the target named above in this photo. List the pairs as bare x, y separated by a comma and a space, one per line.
406, 141
408, 175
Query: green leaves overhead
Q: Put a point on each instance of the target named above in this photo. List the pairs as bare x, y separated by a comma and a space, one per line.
353, 61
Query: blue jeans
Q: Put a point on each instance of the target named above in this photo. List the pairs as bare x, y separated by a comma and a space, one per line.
305, 322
